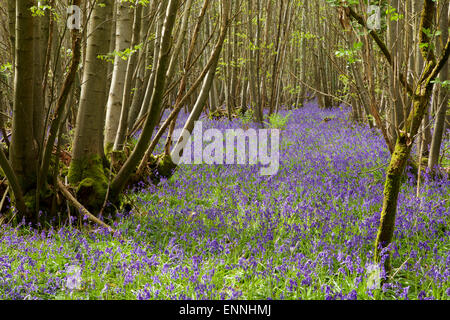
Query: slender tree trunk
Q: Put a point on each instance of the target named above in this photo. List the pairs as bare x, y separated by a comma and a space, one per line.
126, 97
142, 76
442, 105
12, 24
180, 39
275, 61
234, 81
136, 156
203, 95
397, 115
116, 91
303, 55
183, 82
38, 102
405, 140
252, 74
151, 84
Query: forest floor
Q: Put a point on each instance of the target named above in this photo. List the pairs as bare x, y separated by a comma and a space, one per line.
225, 232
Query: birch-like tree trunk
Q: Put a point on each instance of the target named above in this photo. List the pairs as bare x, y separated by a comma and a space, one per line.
127, 94
123, 41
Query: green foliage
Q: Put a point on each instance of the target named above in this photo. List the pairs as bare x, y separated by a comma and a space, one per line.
247, 117
133, 2
350, 54
293, 90
124, 55
431, 34
39, 10
346, 81
7, 67
341, 3
277, 121
5, 72
393, 15
444, 84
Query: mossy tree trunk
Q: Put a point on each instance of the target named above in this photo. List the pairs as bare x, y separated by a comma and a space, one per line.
405, 139
392, 185
420, 100
86, 168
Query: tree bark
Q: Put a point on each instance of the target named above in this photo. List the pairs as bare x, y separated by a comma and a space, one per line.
406, 136
23, 152
157, 46
142, 75
442, 105
116, 91
86, 167
126, 97
130, 165
12, 25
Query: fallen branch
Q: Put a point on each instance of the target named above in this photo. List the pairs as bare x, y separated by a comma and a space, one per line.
83, 210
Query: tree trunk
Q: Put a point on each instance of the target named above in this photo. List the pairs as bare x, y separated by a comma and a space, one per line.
126, 97
86, 167
397, 116
130, 165
23, 152
151, 83
207, 84
183, 82
142, 76
38, 102
442, 105
12, 25
405, 140
116, 91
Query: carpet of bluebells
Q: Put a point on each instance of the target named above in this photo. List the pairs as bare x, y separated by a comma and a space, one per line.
225, 232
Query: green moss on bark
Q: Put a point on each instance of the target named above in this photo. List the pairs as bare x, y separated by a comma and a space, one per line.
108, 148
165, 166
391, 189
89, 178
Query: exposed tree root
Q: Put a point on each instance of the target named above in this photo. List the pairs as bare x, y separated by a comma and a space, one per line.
83, 210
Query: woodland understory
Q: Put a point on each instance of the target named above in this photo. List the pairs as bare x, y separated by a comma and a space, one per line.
92, 91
